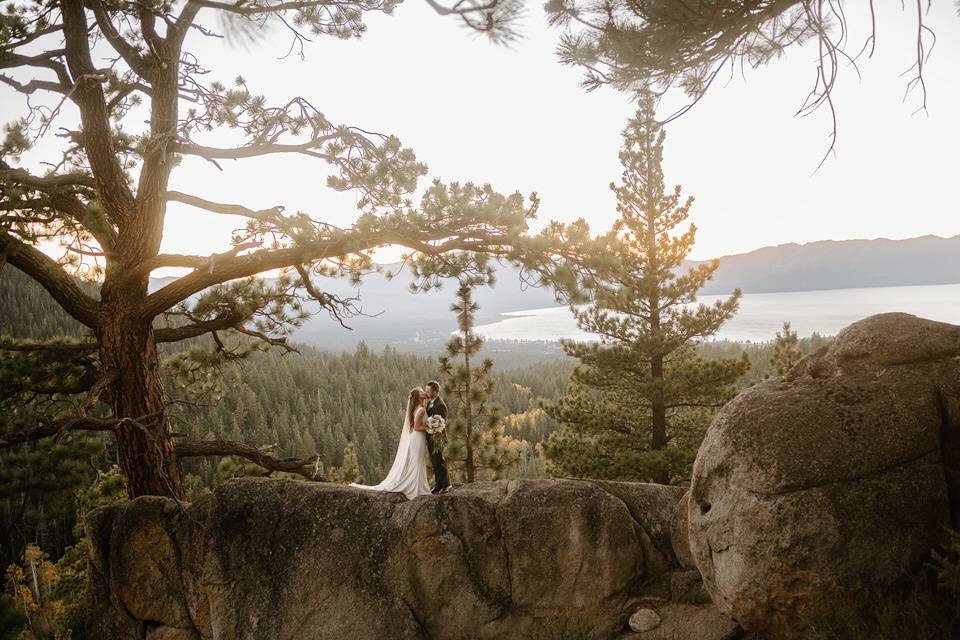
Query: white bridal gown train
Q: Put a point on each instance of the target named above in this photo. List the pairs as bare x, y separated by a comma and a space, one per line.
408, 475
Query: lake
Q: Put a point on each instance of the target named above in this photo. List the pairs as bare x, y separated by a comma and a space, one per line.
761, 315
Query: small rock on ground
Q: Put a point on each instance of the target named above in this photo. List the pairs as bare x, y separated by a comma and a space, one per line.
644, 620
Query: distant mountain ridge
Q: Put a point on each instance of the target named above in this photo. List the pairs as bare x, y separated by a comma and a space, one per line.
840, 264
813, 266
403, 319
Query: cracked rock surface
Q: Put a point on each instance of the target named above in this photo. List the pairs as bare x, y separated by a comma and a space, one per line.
284, 559
807, 490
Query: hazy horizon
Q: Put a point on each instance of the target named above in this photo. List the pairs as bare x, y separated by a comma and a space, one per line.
158, 275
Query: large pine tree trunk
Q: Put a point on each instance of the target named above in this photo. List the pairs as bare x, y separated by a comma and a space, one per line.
145, 444
658, 439
659, 409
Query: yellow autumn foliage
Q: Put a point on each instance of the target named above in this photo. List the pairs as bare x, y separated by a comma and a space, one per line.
31, 583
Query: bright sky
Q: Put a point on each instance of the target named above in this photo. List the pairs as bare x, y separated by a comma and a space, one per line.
517, 119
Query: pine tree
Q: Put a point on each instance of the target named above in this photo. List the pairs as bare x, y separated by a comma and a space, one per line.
12, 620
638, 386
786, 350
107, 488
37, 485
309, 443
349, 471
476, 440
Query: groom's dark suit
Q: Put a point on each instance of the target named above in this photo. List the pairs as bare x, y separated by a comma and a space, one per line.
436, 407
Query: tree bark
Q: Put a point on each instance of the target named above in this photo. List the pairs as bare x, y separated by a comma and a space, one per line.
300, 466
658, 405
145, 443
658, 438
469, 466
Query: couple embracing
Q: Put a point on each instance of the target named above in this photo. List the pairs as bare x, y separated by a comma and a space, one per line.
408, 474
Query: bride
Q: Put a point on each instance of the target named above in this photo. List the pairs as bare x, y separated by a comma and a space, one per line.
408, 475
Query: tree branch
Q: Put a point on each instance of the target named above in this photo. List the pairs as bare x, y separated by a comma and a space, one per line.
64, 347
494, 17
128, 88
127, 51
264, 215
335, 306
198, 328
255, 9
51, 276
50, 387
45, 60
267, 259
174, 260
259, 335
55, 427
191, 261
34, 85
254, 150
46, 183
308, 468
96, 390
97, 138
62, 197
238, 267
165, 63
31, 37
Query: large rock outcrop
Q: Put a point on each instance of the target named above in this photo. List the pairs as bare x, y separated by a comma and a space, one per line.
284, 559
809, 490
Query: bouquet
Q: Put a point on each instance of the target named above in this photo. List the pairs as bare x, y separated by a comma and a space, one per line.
437, 428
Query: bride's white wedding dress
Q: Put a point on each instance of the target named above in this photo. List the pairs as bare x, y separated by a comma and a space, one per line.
408, 475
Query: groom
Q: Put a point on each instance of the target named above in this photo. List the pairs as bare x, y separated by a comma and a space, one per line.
436, 407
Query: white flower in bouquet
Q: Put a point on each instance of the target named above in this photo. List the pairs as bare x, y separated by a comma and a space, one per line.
436, 424
437, 429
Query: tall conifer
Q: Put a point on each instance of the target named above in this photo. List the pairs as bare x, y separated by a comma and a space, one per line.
786, 350
476, 440
642, 382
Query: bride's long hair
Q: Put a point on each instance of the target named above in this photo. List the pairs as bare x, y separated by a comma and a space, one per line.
413, 400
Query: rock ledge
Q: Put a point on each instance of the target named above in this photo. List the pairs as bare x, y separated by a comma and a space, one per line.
284, 559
